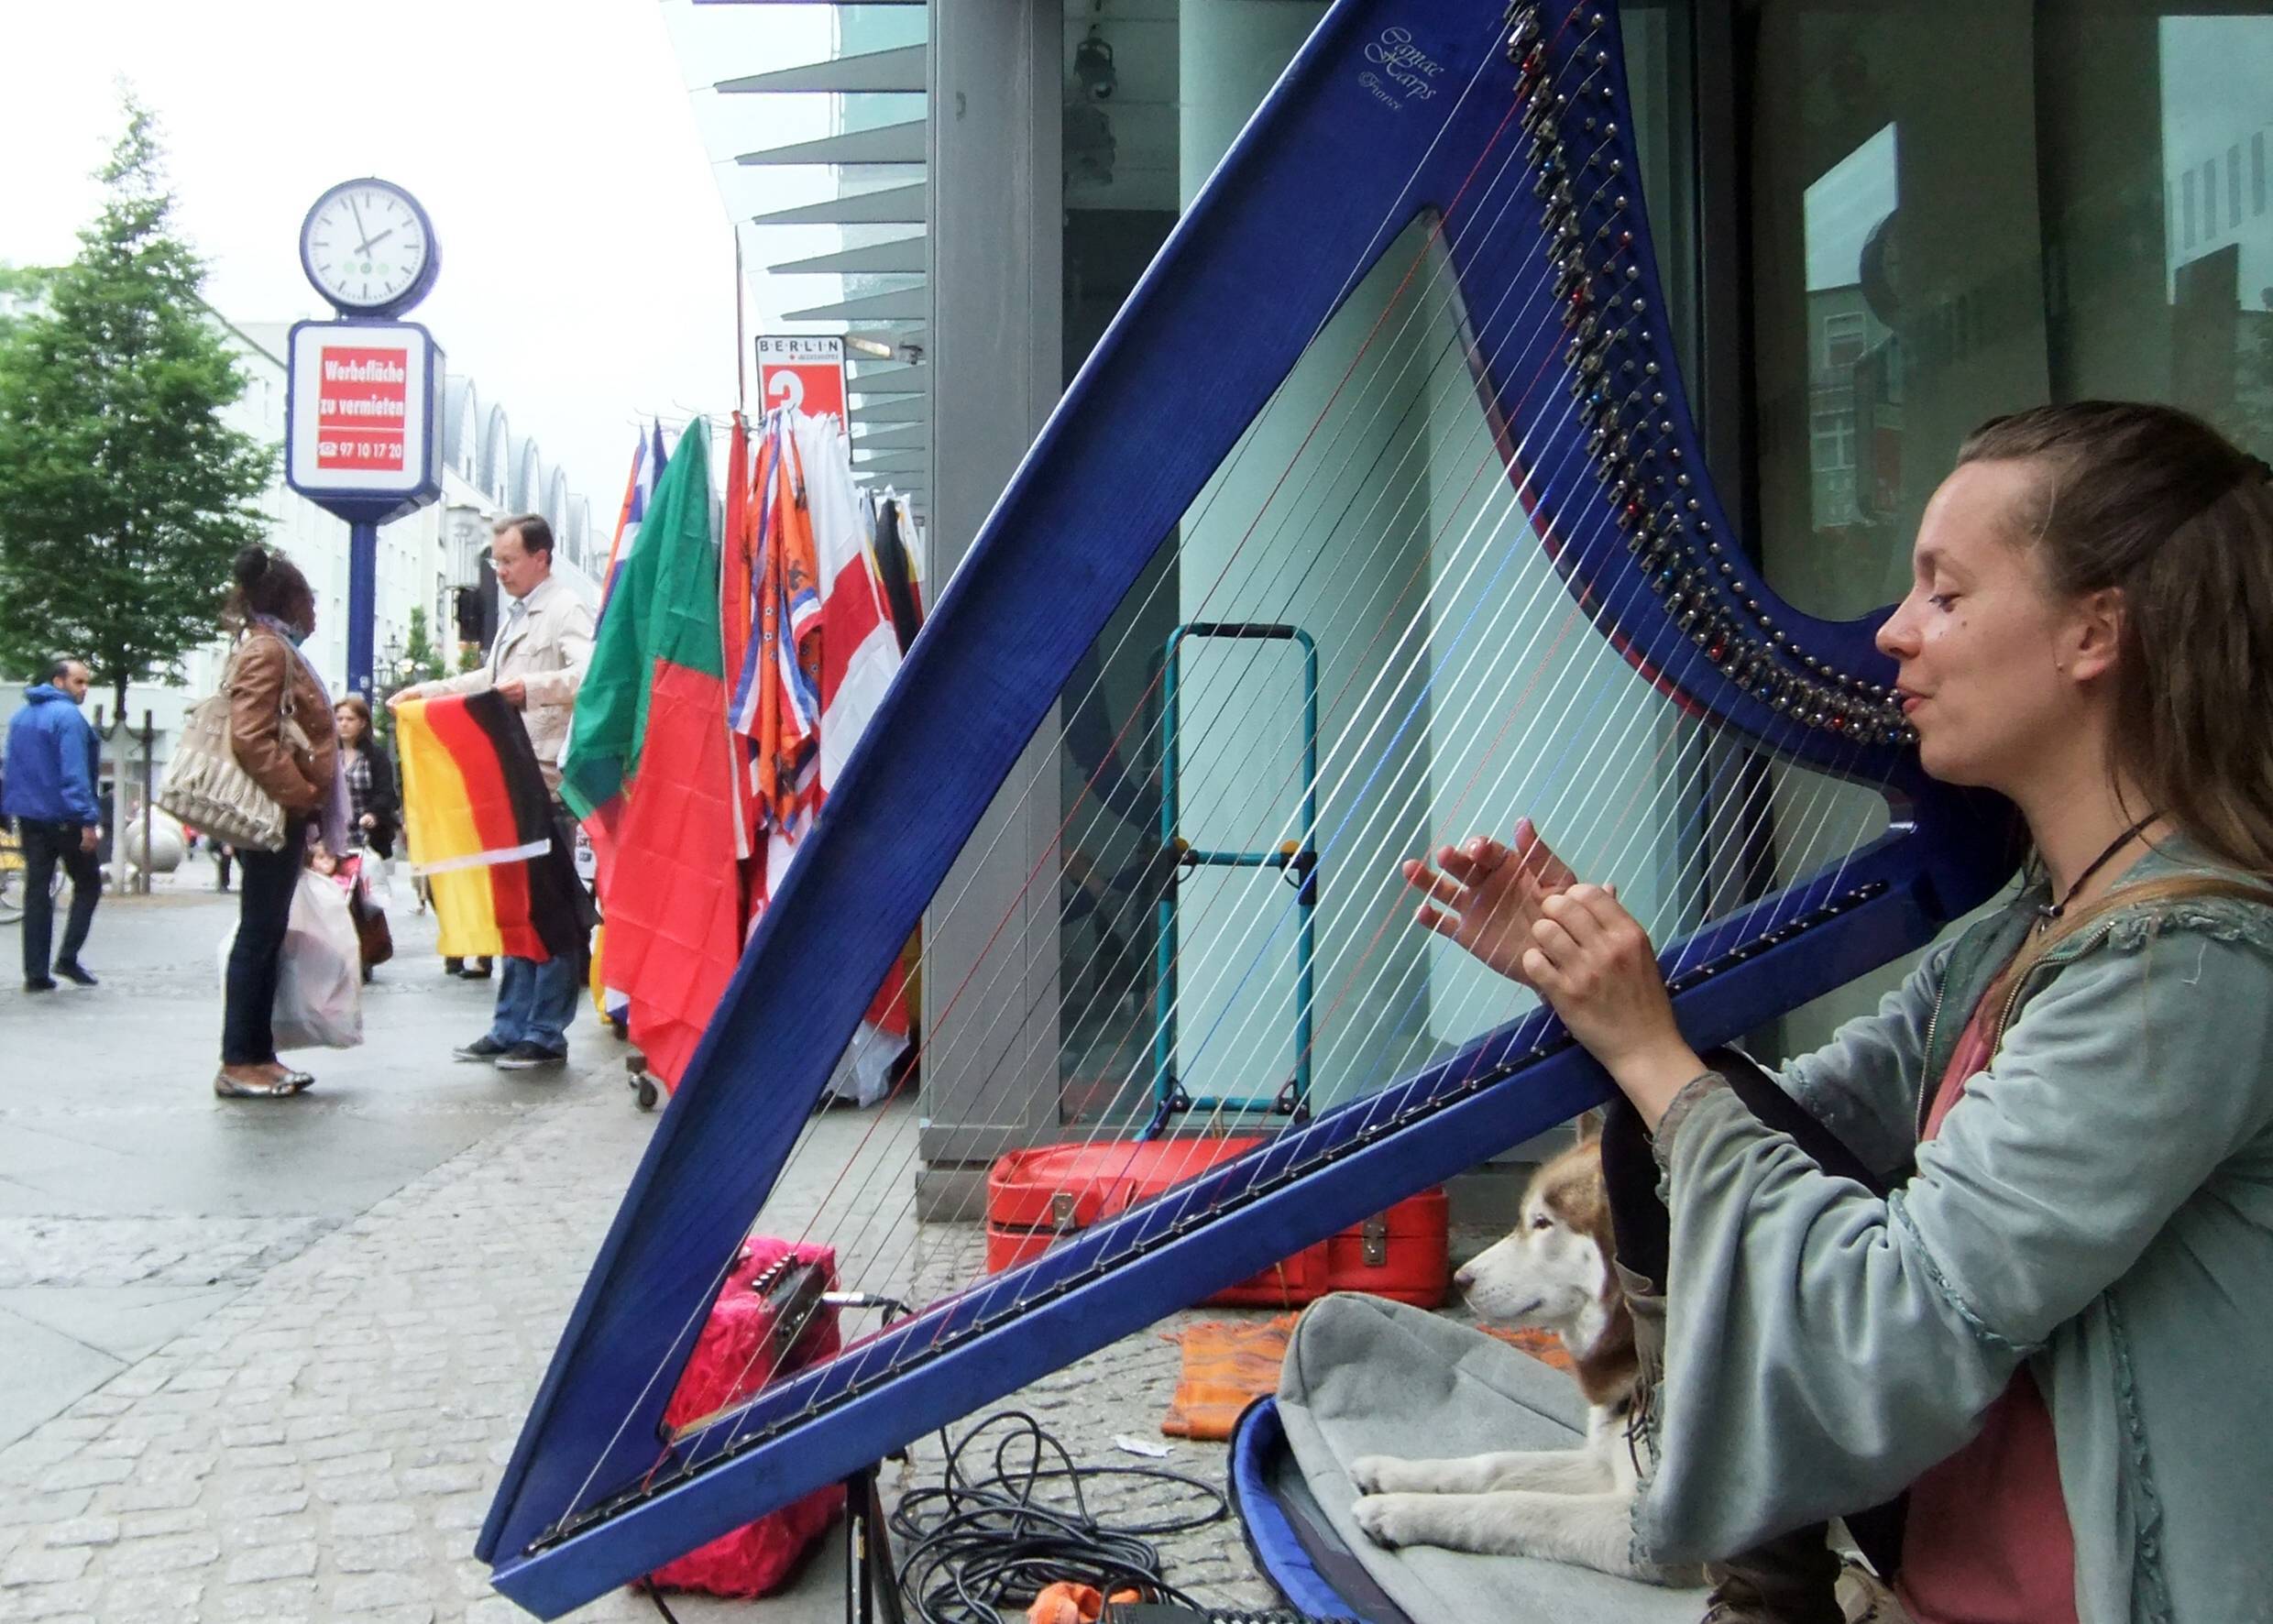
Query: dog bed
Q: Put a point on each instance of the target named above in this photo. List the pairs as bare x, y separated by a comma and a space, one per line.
1364, 1376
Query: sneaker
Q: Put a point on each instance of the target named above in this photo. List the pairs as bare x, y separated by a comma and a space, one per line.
528, 1056
484, 1048
73, 973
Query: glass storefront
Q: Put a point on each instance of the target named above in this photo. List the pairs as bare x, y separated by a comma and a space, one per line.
1906, 238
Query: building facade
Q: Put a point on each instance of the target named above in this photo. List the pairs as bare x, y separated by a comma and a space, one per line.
435, 561
1877, 226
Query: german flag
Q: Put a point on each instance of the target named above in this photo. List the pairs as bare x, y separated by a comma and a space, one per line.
481, 826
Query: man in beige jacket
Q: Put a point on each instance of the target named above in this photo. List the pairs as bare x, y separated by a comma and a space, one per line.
537, 662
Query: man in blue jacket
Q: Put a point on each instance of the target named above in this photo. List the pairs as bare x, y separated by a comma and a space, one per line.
49, 792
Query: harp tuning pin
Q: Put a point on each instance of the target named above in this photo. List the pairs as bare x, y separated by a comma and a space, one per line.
1658, 398
1611, 130
1727, 568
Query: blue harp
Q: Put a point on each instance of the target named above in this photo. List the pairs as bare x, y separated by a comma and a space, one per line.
1430, 546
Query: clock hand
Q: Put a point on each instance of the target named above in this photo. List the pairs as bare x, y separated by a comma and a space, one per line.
381, 237
360, 225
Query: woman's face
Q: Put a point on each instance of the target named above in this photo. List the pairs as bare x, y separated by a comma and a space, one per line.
349, 722
1994, 669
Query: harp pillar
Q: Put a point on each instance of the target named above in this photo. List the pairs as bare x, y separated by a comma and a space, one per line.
997, 370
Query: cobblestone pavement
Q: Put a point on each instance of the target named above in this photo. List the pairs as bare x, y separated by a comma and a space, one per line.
323, 1446
320, 1437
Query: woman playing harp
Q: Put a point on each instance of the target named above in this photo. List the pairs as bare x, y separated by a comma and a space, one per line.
2005, 1246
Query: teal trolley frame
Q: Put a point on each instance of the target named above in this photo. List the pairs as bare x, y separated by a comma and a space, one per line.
1297, 858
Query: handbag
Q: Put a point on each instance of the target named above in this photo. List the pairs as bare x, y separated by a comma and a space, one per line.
375, 940
206, 787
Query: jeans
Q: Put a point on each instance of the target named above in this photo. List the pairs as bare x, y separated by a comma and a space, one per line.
46, 845
535, 1002
264, 908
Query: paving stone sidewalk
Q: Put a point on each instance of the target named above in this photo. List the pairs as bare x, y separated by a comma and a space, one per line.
324, 1446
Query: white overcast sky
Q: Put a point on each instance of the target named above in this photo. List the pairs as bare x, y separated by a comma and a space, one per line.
587, 261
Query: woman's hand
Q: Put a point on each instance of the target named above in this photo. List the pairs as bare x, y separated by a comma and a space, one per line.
1593, 962
1488, 897
368, 820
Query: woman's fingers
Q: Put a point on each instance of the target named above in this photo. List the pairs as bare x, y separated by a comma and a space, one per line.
1435, 886
1473, 861
1539, 860
1560, 945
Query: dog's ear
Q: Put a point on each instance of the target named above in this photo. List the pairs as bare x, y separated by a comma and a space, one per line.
1589, 1125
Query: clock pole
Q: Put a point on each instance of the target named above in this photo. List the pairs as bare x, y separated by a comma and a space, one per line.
362, 604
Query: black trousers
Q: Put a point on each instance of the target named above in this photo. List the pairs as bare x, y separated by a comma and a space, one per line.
1642, 1229
264, 908
45, 846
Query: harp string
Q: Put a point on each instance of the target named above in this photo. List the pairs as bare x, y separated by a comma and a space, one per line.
682, 1341
1490, 460
1661, 754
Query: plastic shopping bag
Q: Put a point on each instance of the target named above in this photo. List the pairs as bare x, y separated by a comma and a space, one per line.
319, 984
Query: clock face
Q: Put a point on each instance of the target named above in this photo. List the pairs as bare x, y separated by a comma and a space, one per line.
366, 246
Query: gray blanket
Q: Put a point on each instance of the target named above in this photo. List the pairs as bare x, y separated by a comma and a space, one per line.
1366, 1375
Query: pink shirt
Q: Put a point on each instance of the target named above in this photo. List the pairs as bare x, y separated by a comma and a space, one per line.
1987, 1539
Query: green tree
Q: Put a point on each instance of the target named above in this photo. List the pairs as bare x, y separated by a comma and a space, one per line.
419, 662
122, 494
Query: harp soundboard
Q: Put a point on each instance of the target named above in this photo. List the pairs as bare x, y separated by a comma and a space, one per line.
1442, 432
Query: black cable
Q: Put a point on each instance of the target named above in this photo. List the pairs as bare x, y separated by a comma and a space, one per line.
973, 1546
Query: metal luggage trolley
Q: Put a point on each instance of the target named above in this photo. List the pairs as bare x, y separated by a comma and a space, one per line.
1296, 859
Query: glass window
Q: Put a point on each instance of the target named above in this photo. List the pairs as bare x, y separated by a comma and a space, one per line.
2054, 213
1186, 78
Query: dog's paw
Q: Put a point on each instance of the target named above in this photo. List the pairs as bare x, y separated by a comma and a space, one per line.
1388, 1520
1370, 1473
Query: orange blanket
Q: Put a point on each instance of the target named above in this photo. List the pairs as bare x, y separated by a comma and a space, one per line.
1230, 1364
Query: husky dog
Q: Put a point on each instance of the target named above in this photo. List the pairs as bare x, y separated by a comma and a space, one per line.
1567, 1505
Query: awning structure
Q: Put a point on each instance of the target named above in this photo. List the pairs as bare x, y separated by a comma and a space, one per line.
814, 116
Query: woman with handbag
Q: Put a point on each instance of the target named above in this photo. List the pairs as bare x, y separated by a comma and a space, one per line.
282, 735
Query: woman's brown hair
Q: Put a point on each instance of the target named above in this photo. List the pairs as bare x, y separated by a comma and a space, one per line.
268, 583
2156, 504
358, 704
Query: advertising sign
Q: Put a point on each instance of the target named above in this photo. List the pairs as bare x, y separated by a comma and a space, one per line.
362, 414
804, 372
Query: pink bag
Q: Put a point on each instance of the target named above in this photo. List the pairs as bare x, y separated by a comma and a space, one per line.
734, 1356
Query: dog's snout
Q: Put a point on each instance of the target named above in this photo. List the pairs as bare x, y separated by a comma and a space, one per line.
1463, 1280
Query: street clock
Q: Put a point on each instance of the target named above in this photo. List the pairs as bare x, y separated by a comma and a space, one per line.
369, 248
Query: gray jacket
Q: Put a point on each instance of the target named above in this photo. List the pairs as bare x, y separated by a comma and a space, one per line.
2100, 1204
549, 647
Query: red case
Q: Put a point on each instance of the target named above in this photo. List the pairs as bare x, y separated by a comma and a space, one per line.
1034, 1196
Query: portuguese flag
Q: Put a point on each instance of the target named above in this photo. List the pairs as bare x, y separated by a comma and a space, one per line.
648, 758
479, 826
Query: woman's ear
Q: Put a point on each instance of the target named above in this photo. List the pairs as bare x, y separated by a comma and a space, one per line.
2093, 635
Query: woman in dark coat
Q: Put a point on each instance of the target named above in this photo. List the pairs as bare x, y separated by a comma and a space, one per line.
374, 809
